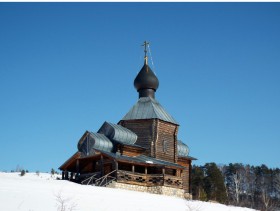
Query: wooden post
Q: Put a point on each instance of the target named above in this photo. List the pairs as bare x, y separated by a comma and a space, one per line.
163, 176
63, 175
133, 168
146, 170
71, 176
116, 168
190, 170
94, 166
77, 166
117, 165
66, 175
102, 165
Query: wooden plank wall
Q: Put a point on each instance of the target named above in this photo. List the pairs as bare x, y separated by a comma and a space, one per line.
166, 132
130, 151
143, 129
151, 134
186, 173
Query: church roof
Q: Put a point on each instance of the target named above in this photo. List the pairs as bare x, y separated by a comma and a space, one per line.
148, 108
118, 133
91, 141
142, 159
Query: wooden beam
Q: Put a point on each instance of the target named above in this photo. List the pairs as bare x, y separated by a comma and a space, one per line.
94, 166
77, 166
71, 176
116, 168
116, 165
66, 175
102, 165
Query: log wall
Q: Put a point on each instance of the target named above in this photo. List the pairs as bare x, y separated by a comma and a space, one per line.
144, 130
130, 151
158, 137
166, 143
186, 173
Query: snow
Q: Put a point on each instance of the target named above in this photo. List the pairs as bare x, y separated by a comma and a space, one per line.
33, 192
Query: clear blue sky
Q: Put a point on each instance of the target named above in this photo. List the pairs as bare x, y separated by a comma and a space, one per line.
67, 67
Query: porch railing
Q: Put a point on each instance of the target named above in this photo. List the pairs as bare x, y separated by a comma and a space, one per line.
90, 180
106, 179
149, 180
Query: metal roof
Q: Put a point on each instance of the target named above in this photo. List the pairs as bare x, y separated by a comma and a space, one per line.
118, 133
94, 141
142, 159
148, 108
182, 149
132, 145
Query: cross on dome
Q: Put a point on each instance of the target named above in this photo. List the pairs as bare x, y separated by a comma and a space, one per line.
146, 44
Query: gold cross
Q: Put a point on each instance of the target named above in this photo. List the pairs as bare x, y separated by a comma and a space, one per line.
145, 51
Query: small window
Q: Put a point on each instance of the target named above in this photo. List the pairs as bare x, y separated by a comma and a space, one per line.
164, 146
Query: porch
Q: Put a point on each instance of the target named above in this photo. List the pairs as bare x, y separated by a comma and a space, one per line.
101, 169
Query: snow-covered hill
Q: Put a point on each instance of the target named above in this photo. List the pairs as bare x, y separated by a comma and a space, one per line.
38, 193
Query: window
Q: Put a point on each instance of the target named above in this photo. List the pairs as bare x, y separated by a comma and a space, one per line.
164, 146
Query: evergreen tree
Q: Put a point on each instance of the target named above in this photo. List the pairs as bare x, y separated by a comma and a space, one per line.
214, 183
52, 171
22, 173
198, 191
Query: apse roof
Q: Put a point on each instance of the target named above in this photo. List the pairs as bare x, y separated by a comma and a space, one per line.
118, 133
91, 141
148, 108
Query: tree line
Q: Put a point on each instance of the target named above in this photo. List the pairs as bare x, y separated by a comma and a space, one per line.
256, 187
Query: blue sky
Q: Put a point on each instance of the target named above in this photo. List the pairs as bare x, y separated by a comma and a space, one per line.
68, 67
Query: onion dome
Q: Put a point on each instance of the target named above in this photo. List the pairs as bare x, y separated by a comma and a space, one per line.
183, 149
146, 82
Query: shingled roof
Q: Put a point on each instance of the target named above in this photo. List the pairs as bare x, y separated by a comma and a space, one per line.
148, 108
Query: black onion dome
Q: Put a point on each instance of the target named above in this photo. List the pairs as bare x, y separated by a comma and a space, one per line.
146, 79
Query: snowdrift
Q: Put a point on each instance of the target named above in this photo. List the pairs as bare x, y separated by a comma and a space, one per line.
43, 192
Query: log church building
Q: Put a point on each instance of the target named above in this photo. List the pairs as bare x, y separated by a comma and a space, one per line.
141, 152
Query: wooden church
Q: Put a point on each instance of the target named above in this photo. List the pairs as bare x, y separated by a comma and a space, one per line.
141, 152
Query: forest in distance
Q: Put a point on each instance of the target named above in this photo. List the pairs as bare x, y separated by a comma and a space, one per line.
256, 187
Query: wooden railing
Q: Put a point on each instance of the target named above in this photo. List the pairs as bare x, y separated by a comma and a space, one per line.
173, 181
149, 180
106, 179
91, 179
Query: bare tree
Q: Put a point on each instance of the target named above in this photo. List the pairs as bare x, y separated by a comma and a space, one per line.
192, 207
235, 175
265, 191
64, 204
251, 185
277, 185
